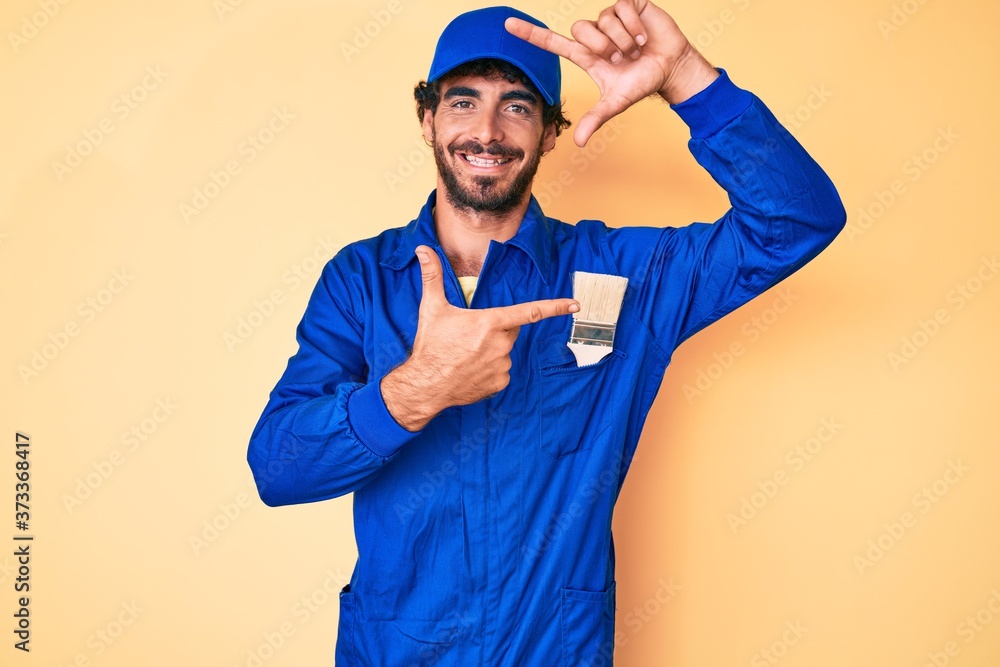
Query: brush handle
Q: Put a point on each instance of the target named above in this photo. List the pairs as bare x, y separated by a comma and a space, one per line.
588, 355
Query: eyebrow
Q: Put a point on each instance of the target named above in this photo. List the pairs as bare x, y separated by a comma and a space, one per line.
522, 95
461, 91
466, 91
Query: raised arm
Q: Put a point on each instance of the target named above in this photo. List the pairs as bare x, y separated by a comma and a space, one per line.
784, 209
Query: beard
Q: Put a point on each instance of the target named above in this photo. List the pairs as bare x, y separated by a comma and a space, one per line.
485, 194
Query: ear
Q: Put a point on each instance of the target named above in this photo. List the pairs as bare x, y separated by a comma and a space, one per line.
549, 138
427, 125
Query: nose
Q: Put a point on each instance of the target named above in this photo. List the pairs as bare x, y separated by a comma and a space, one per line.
486, 129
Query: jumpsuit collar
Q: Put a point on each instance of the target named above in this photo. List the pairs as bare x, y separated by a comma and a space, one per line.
533, 237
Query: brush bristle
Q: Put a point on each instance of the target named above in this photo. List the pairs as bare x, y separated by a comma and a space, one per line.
600, 296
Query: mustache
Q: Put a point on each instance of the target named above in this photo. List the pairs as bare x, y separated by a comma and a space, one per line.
495, 150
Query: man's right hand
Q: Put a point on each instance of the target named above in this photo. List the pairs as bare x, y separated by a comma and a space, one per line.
460, 355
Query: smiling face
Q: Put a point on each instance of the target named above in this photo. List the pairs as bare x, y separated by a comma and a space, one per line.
488, 137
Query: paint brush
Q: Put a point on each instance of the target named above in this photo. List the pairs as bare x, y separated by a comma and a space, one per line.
600, 297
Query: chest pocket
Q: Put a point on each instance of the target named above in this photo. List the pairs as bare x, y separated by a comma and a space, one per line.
574, 403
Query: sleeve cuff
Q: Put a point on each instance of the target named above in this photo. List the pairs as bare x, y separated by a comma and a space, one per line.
373, 423
713, 108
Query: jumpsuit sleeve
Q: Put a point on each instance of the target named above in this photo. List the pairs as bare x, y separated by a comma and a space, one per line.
784, 211
324, 432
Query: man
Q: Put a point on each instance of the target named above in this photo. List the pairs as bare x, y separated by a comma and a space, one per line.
485, 463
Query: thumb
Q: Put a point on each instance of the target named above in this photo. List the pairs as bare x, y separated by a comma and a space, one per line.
431, 275
606, 108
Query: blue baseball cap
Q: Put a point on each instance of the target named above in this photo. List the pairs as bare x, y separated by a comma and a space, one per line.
481, 34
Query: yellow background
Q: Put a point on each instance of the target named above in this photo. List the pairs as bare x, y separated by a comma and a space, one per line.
126, 562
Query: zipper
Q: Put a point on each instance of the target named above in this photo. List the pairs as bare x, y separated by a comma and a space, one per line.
615, 352
483, 272
454, 279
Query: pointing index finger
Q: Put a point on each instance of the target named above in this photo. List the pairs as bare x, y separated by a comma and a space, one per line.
519, 314
551, 41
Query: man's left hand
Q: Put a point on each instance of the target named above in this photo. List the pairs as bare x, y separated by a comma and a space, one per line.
633, 50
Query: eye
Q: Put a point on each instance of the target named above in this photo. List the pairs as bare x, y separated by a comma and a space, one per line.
519, 109
462, 104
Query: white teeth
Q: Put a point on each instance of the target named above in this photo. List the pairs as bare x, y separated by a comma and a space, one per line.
479, 162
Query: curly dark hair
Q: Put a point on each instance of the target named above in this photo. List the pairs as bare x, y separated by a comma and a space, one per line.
428, 95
